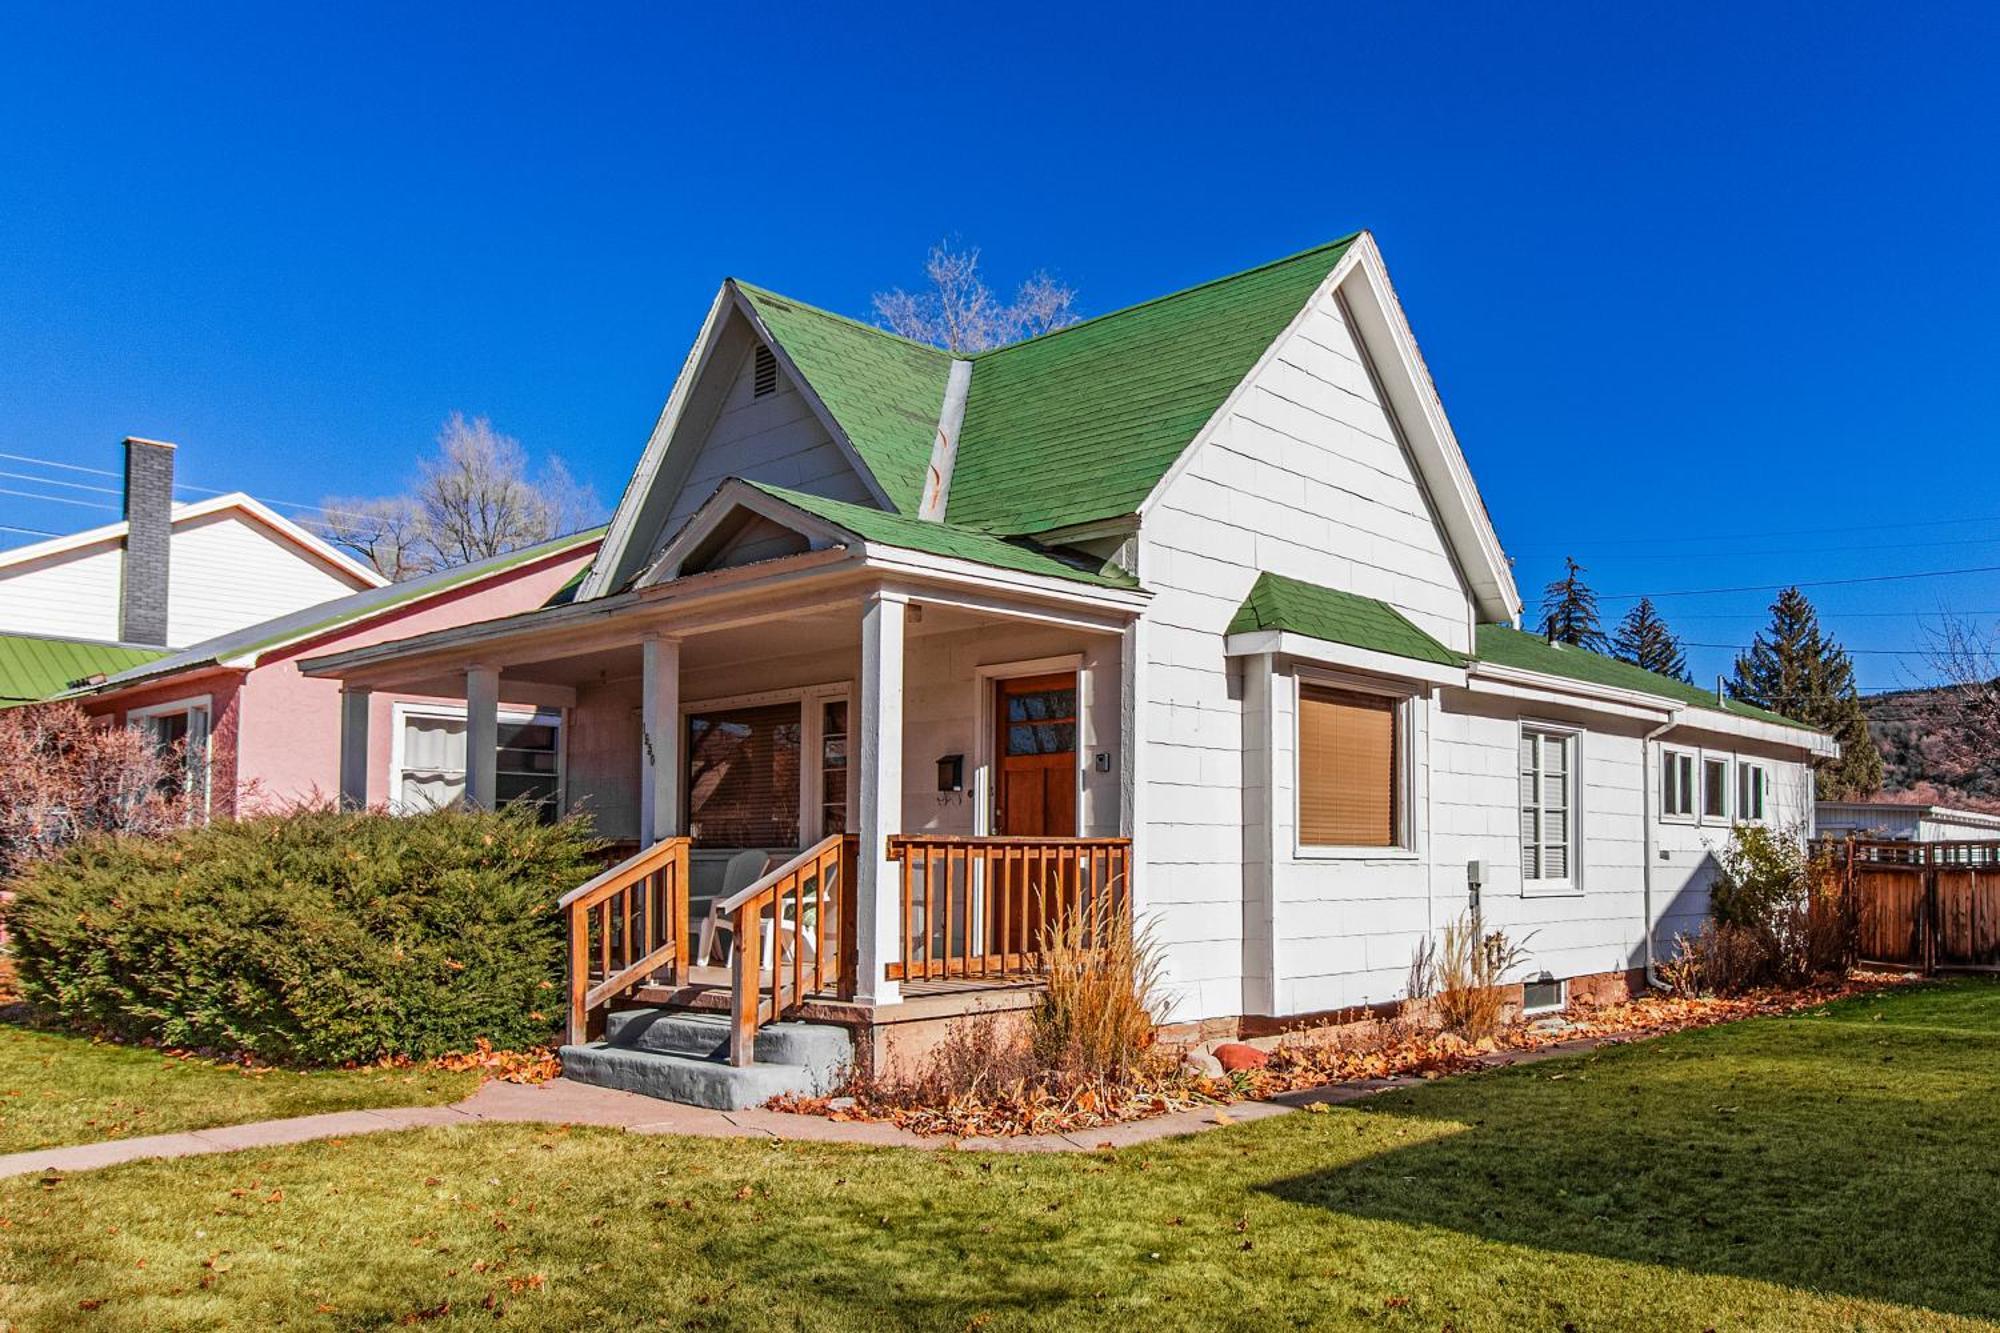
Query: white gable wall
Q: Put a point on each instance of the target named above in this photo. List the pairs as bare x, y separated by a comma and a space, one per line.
1302, 476
225, 572
777, 439
70, 595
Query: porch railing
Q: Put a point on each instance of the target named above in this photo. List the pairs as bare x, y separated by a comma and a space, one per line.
625, 927
981, 907
794, 937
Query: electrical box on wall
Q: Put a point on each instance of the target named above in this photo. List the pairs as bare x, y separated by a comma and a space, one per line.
1103, 761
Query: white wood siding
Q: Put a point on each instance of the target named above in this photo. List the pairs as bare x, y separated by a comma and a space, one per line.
1304, 477
776, 439
71, 595
225, 572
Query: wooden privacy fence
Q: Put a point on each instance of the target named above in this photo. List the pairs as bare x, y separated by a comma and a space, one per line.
625, 926
979, 907
1929, 906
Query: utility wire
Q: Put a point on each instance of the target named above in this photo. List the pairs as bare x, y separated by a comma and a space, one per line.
58, 499
57, 481
1803, 583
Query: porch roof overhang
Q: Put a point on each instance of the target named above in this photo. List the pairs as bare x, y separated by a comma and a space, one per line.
1326, 652
734, 598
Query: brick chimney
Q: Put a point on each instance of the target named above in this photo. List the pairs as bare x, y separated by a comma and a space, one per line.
149, 515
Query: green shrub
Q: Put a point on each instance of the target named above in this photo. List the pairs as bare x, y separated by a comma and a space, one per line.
316, 937
1779, 916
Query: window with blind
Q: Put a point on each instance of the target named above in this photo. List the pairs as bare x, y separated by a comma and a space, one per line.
1350, 770
743, 777
430, 770
1548, 806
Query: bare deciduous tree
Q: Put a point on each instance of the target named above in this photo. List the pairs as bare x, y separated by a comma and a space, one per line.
1962, 713
961, 314
64, 775
473, 499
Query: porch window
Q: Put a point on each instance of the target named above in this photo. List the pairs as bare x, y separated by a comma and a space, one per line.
833, 768
1548, 806
743, 777
1350, 772
430, 760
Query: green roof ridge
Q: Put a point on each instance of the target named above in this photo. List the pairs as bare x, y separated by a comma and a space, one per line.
1277, 602
944, 539
1503, 645
863, 325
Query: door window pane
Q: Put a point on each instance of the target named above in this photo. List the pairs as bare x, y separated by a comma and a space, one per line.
833, 768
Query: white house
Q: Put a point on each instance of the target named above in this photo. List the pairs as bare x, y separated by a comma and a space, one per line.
1907, 823
1196, 602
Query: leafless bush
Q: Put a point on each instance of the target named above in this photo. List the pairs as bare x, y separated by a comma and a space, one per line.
64, 775
1095, 1020
1472, 967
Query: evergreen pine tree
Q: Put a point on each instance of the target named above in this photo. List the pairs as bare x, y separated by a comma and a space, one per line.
1793, 668
1644, 640
1569, 610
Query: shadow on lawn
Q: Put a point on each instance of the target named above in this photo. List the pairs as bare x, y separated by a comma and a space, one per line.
1823, 1154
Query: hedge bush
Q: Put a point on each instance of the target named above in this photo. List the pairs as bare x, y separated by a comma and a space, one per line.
315, 937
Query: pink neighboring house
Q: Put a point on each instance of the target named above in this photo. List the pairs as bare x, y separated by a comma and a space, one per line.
258, 732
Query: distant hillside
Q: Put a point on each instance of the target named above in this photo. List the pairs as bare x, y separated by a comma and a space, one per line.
1900, 723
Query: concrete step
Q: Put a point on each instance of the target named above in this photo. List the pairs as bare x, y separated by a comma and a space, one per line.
819, 1046
688, 1079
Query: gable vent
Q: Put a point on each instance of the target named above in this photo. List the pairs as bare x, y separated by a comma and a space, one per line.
764, 376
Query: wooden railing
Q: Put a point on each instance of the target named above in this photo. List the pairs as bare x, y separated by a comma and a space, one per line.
626, 926
794, 937
981, 907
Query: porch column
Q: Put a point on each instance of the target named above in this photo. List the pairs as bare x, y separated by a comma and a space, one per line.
354, 702
482, 736
879, 916
661, 766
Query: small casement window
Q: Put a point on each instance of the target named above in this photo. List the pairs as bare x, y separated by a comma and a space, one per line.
1676, 785
180, 732
1752, 783
1548, 805
1714, 788
1350, 783
764, 372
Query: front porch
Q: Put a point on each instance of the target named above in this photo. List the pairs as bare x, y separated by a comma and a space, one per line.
919, 773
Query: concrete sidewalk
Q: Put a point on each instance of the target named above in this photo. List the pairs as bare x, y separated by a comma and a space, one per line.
562, 1102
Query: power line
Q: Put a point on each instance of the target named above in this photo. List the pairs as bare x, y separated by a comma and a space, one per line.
58, 499
1803, 583
33, 532
179, 486
57, 481
50, 462
1878, 652
1767, 532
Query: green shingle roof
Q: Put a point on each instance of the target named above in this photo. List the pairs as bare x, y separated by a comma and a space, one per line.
885, 391
1082, 423
1075, 425
947, 539
33, 667
1277, 602
1503, 645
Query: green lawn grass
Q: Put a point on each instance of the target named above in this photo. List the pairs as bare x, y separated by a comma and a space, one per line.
1833, 1170
59, 1088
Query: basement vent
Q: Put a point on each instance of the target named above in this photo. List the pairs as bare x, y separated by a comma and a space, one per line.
764, 376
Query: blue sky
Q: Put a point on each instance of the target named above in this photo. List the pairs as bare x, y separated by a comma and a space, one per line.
1711, 295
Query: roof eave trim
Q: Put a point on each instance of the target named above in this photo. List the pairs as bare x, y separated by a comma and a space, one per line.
1306, 648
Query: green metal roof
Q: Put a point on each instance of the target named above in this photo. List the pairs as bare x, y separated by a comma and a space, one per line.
33, 667
324, 617
1082, 423
885, 391
1280, 603
946, 539
1503, 645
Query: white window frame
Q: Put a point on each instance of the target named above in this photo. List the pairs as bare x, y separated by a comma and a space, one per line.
1691, 815
1570, 885
1745, 767
1405, 776
1562, 999
194, 703
1728, 782
402, 710
812, 726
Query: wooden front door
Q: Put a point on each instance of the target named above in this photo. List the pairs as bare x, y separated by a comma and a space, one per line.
1034, 747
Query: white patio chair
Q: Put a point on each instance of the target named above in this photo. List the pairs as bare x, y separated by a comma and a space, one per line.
743, 870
